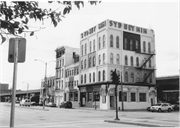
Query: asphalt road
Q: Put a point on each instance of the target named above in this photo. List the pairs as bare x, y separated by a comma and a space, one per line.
36, 117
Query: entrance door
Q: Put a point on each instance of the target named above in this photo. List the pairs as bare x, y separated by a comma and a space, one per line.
111, 101
83, 98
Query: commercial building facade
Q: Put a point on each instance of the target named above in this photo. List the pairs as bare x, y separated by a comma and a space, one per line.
130, 50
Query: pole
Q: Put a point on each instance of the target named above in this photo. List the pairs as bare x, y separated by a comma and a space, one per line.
27, 89
95, 99
14, 83
116, 103
122, 98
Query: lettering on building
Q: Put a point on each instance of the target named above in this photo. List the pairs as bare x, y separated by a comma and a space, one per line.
88, 32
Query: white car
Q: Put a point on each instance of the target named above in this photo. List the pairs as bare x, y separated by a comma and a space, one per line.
161, 107
25, 102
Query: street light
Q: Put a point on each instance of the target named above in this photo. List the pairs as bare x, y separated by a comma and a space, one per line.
27, 88
45, 77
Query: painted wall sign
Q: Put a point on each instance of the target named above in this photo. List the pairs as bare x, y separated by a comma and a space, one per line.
88, 32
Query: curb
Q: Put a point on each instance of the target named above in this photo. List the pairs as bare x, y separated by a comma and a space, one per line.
137, 123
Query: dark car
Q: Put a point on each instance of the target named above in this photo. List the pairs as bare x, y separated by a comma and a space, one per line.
67, 104
34, 103
176, 107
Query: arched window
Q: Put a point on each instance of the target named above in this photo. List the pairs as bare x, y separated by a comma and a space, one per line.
82, 50
99, 42
145, 75
89, 77
117, 59
131, 44
117, 42
126, 76
137, 45
103, 75
126, 60
111, 41
94, 61
137, 61
94, 45
132, 61
150, 63
111, 58
85, 64
103, 58
81, 79
104, 40
99, 75
111, 74
138, 77
82, 64
125, 43
99, 59
85, 48
93, 76
144, 46
132, 77
90, 62
150, 78
149, 47
90, 48
84, 78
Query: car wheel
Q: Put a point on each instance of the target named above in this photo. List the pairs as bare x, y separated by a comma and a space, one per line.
169, 110
159, 110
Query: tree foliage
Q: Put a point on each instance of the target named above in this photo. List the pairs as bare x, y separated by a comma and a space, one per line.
15, 15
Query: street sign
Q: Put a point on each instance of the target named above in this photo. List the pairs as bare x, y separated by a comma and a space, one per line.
21, 50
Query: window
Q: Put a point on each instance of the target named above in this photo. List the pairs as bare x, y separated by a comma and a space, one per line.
131, 44
82, 50
117, 59
93, 76
144, 46
89, 77
150, 63
117, 42
104, 41
94, 61
132, 61
99, 75
103, 99
81, 79
84, 78
126, 60
137, 45
124, 96
85, 64
103, 75
82, 64
85, 48
138, 77
126, 76
132, 77
99, 42
90, 46
90, 62
142, 97
133, 97
94, 45
111, 75
99, 59
75, 96
89, 96
103, 58
111, 41
149, 47
145, 75
150, 78
145, 62
137, 61
111, 58
125, 43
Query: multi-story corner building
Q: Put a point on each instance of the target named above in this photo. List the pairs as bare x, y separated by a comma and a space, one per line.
127, 48
64, 57
49, 94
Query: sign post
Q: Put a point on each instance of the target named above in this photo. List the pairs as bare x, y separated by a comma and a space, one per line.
14, 83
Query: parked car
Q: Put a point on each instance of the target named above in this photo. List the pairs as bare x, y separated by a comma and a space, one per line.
25, 102
34, 103
67, 104
175, 107
161, 107
149, 108
17, 101
50, 104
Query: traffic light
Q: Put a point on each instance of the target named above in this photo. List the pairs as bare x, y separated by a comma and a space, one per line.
114, 77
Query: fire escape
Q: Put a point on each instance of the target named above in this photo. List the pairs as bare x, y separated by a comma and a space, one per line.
143, 67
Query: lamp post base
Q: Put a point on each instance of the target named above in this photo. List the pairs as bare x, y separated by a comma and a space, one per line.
116, 118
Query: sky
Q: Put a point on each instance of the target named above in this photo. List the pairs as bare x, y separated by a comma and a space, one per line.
162, 17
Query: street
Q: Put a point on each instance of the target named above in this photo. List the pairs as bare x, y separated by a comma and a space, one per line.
35, 116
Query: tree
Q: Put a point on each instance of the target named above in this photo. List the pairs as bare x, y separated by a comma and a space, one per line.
15, 15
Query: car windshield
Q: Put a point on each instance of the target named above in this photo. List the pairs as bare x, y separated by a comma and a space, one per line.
157, 105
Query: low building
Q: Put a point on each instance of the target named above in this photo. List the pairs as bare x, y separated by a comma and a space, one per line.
168, 89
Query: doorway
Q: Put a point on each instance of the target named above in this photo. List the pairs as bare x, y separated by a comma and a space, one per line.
112, 102
83, 99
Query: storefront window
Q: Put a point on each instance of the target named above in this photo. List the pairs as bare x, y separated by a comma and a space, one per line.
89, 96
133, 97
142, 97
124, 96
96, 96
75, 96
